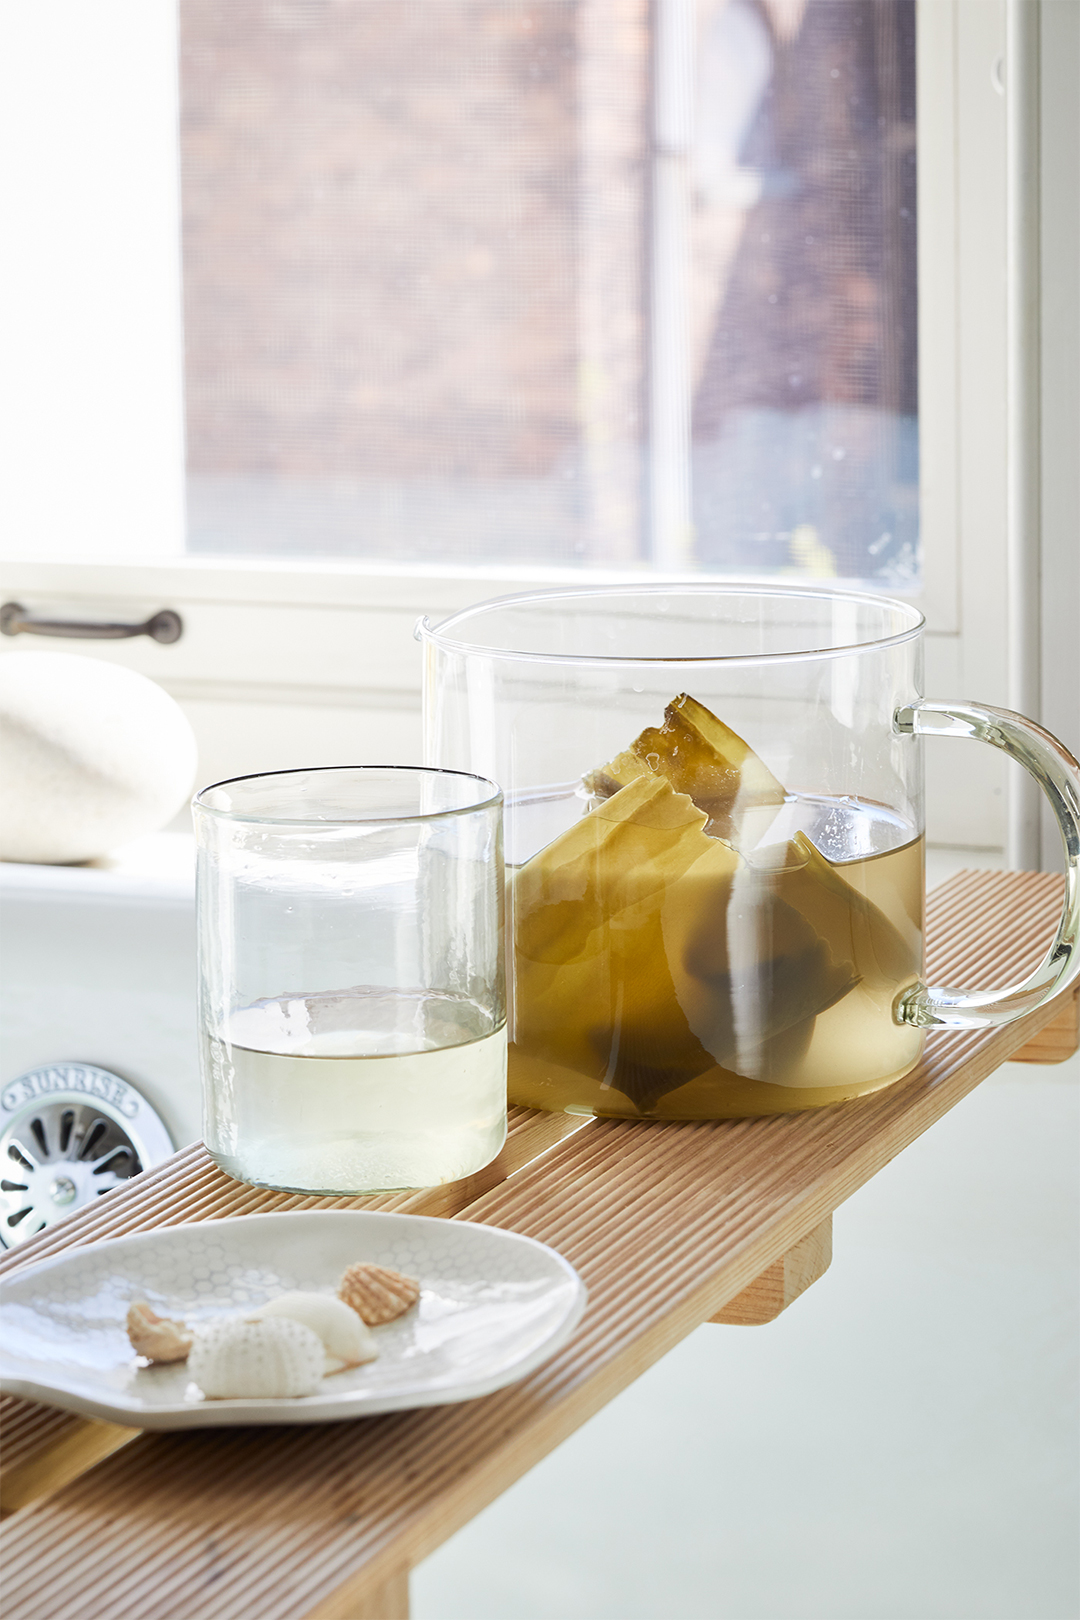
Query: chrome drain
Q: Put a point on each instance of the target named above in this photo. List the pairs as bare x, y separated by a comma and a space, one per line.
71, 1131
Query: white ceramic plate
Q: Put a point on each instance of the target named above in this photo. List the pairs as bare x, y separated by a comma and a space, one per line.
493, 1306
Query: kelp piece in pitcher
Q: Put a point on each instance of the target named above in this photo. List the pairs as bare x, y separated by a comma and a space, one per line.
657, 971
593, 992
700, 756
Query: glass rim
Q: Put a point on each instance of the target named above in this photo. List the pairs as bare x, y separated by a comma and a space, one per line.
438, 633
492, 801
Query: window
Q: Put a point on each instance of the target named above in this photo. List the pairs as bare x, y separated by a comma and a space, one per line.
477, 292
471, 281
526, 282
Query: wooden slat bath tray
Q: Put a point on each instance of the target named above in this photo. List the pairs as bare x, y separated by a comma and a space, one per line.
670, 1226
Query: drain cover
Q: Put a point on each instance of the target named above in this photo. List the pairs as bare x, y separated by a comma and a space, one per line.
70, 1131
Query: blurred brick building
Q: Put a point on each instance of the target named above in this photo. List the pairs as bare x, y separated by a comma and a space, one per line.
418, 315
413, 255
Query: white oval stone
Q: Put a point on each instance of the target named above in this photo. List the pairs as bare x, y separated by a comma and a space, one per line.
94, 755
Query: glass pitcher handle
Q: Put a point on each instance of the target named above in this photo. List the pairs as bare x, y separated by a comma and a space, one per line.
1058, 774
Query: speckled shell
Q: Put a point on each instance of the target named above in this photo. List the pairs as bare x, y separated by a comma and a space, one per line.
345, 1338
251, 1360
376, 1293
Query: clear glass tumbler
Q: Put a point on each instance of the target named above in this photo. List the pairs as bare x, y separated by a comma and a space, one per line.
714, 832
351, 982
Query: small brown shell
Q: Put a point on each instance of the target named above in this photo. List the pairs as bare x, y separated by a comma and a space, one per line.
157, 1337
376, 1293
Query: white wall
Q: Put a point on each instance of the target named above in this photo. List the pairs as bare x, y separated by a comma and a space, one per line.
91, 406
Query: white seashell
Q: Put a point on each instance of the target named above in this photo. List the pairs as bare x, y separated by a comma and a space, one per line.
345, 1338
242, 1359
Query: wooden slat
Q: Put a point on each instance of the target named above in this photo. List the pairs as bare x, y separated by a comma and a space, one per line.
667, 1224
1059, 1040
389, 1602
190, 1187
780, 1284
56, 1447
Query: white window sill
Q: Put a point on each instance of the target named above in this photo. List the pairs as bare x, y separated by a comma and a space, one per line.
156, 870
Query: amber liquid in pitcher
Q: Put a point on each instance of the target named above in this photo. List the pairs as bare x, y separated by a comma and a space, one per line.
659, 973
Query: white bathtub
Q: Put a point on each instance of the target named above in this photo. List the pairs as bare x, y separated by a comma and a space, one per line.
99, 968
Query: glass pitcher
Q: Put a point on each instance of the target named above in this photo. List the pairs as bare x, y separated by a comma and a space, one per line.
714, 840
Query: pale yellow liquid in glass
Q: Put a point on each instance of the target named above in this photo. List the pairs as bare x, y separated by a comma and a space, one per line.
814, 954
355, 1091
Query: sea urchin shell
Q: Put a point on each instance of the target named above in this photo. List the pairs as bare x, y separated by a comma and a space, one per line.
243, 1359
376, 1293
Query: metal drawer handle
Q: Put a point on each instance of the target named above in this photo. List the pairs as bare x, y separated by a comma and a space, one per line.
165, 626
